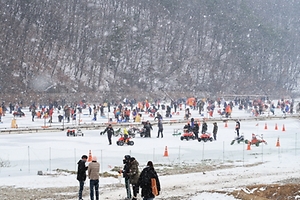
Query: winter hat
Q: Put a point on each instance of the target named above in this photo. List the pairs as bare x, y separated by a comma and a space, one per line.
84, 157
94, 158
127, 157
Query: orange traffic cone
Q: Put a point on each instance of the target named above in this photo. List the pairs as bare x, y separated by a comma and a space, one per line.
249, 146
278, 143
276, 127
90, 156
283, 128
266, 126
226, 125
166, 154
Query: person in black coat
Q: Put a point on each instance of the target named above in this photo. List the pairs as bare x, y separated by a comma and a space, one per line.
126, 174
160, 128
215, 130
110, 131
145, 181
204, 127
81, 174
196, 130
237, 128
148, 128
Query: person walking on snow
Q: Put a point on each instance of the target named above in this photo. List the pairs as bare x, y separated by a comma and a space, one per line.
145, 181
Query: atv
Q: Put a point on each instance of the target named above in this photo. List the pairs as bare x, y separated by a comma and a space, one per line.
74, 133
238, 139
205, 137
143, 132
188, 135
122, 140
256, 139
132, 130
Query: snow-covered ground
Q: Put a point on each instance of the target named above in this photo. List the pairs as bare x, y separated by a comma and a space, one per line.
28, 153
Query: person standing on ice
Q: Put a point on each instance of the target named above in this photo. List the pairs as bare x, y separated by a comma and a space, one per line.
93, 173
1, 113
194, 127
237, 127
110, 131
160, 128
81, 174
215, 130
204, 127
95, 110
148, 128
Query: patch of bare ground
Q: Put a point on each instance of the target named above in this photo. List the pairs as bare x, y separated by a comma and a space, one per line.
283, 190
271, 191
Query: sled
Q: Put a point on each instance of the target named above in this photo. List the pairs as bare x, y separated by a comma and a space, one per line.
238, 139
176, 132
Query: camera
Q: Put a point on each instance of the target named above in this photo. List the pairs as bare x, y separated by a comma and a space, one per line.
126, 159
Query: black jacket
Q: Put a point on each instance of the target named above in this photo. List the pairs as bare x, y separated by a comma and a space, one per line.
215, 129
237, 125
148, 127
110, 131
145, 182
196, 128
204, 127
81, 172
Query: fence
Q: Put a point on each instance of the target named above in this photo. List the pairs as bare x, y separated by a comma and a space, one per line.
28, 160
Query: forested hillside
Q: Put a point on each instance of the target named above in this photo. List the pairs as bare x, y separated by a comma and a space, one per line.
119, 47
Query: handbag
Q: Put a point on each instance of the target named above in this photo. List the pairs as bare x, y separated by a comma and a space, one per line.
154, 187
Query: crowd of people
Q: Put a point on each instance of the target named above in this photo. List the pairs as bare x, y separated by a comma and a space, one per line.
147, 180
132, 110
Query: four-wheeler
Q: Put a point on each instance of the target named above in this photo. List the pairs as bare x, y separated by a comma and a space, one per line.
188, 135
74, 133
122, 140
132, 131
143, 132
18, 114
238, 139
205, 137
256, 139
